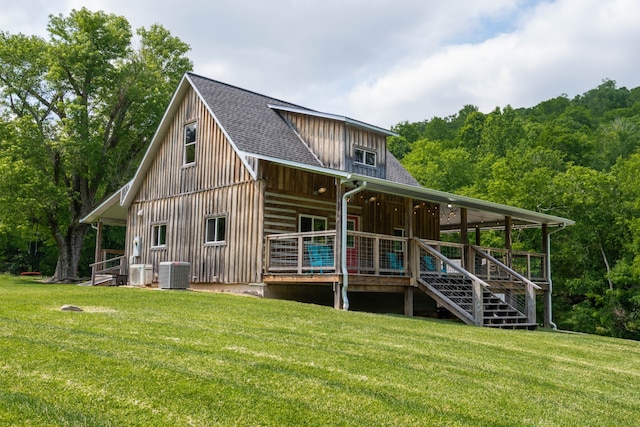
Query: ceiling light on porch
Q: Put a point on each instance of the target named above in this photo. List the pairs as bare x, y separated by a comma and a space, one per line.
372, 199
449, 205
320, 190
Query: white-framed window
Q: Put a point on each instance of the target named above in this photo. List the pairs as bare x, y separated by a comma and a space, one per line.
158, 235
216, 229
312, 223
364, 157
190, 145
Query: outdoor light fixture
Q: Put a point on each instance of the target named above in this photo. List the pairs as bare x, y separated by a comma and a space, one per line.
320, 190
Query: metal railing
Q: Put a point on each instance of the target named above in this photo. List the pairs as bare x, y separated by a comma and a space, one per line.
376, 254
298, 253
462, 291
314, 252
512, 287
529, 264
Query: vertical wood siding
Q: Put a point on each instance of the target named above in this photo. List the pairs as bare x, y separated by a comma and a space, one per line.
333, 142
183, 197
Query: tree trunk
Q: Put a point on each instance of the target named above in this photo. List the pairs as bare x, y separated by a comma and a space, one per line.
606, 263
69, 249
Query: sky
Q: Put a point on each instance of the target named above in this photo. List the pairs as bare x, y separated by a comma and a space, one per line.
384, 62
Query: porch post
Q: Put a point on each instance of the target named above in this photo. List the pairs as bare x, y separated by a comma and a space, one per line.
98, 253
464, 239
507, 239
509, 294
411, 250
477, 234
547, 293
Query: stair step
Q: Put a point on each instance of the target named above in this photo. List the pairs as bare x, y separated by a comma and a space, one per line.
529, 326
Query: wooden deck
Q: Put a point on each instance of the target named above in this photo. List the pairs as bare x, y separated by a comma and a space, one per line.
467, 280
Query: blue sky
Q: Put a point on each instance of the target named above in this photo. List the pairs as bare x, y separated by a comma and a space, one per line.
385, 61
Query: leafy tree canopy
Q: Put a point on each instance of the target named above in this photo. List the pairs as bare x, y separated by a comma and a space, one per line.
78, 110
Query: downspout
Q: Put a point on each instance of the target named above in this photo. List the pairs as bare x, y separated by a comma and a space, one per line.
343, 241
562, 226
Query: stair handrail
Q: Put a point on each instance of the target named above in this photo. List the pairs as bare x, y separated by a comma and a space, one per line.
95, 271
530, 287
506, 267
479, 285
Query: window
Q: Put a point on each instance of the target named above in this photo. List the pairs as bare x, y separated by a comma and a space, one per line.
216, 229
397, 245
312, 223
351, 226
159, 235
364, 157
190, 143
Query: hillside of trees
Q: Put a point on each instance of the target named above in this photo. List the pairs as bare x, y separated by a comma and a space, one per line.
576, 158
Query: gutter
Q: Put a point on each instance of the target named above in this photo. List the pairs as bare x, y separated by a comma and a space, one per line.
343, 240
561, 227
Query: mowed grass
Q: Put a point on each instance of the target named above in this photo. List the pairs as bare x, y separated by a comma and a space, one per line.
176, 358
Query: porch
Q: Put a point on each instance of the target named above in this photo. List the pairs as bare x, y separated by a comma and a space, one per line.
479, 285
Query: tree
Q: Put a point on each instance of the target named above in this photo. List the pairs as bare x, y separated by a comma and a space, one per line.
79, 109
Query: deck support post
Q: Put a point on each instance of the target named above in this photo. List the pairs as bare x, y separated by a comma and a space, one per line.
337, 295
478, 303
408, 301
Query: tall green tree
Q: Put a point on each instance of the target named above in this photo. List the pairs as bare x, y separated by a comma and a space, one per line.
79, 109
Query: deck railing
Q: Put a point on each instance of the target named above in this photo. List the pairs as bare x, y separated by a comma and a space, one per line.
531, 265
515, 289
314, 252
299, 253
442, 264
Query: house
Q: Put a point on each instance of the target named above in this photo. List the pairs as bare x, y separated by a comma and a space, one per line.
264, 196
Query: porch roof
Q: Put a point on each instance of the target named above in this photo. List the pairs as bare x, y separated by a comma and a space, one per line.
109, 212
482, 213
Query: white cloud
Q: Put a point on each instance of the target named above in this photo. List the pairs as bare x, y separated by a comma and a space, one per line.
382, 61
562, 47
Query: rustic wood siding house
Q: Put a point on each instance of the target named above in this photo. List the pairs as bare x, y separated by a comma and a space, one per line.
264, 195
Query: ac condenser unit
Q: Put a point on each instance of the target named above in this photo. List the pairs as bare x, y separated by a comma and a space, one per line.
174, 275
140, 274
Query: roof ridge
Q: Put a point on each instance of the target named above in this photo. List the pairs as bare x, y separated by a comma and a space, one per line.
250, 91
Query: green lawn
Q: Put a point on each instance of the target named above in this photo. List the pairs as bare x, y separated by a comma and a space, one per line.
149, 357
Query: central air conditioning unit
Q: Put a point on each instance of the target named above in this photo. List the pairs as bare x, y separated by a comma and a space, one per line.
174, 275
140, 274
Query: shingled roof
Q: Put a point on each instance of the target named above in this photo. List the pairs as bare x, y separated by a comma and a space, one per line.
251, 124
255, 127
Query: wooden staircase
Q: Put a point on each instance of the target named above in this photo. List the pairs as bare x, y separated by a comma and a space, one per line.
455, 293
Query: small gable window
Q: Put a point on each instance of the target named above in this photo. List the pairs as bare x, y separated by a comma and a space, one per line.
216, 229
159, 235
364, 157
190, 143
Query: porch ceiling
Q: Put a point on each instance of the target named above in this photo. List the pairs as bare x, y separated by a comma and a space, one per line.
479, 212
